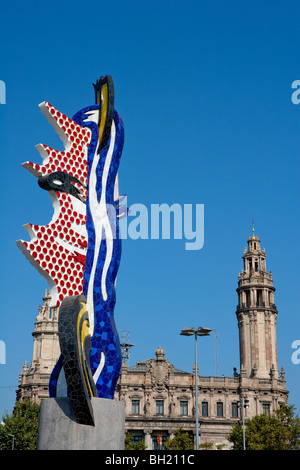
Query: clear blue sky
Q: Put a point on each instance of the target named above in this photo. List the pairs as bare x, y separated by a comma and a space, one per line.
204, 89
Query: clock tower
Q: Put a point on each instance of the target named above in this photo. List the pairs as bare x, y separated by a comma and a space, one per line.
257, 314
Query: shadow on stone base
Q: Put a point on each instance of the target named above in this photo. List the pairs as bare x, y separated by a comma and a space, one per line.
58, 429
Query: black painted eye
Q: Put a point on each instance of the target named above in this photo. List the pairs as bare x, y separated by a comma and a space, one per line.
61, 181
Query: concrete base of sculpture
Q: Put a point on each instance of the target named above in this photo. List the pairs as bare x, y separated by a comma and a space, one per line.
58, 429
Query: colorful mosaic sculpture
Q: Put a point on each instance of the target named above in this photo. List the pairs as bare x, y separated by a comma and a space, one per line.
75, 345
79, 251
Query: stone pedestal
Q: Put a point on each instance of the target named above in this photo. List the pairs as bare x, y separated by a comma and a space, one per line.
58, 429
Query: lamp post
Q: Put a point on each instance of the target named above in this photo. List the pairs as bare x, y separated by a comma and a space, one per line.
13, 441
243, 404
193, 332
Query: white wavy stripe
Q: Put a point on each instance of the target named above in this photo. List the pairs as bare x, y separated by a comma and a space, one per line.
99, 368
71, 248
80, 208
109, 250
106, 222
101, 220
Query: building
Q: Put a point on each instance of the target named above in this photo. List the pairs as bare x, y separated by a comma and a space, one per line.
34, 380
160, 398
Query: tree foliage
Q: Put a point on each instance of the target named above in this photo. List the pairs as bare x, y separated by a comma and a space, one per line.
206, 446
20, 430
181, 441
280, 431
130, 445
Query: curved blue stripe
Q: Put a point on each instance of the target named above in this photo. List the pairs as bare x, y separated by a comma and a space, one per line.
105, 338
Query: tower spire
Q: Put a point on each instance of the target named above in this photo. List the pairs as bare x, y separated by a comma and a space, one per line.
256, 313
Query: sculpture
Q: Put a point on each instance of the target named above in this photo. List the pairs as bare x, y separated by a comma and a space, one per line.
79, 251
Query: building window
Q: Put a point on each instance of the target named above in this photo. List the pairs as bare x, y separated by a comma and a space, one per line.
219, 409
136, 436
266, 408
234, 410
135, 407
159, 439
259, 300
248, 298
183, 408
204, 408
159, 407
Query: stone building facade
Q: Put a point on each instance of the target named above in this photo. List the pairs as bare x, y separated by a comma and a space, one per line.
160, 398
34, 379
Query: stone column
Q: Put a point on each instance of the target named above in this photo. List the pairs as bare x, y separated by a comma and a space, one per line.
148, 440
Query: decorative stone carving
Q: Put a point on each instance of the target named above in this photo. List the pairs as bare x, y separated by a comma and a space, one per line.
160, 370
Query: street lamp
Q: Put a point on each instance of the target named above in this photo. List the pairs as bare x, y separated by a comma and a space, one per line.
193, 332
243, 404
13, 441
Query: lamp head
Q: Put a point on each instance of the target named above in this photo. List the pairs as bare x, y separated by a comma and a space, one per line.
203, 331
188, 331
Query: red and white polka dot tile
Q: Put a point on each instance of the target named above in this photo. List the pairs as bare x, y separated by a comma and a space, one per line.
58, 250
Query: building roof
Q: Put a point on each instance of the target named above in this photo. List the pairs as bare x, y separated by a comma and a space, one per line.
141, 367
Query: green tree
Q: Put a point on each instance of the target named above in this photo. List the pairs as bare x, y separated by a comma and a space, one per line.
20, 430
181, 441
280, 431
236, 437
130, 445
206, 446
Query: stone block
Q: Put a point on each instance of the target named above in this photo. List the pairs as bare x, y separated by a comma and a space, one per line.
58, 429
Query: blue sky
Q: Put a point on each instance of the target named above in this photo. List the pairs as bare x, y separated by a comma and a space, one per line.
204, 90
